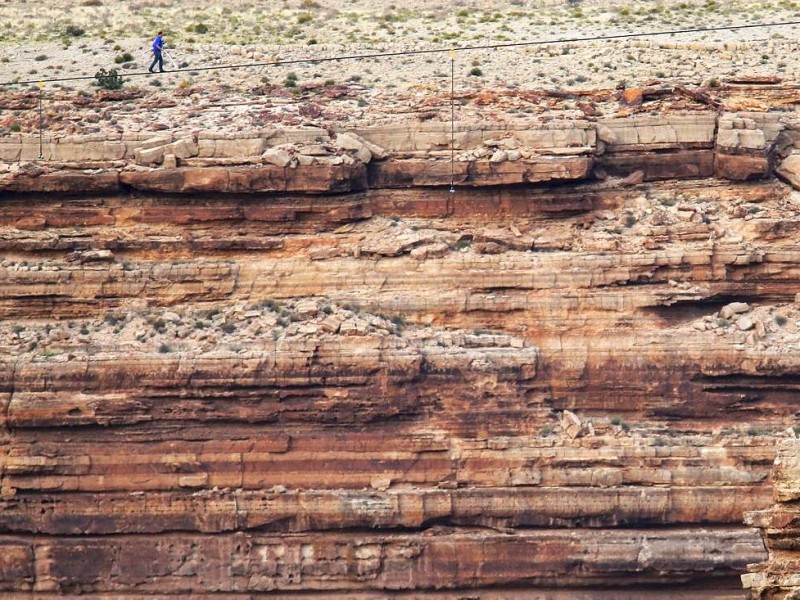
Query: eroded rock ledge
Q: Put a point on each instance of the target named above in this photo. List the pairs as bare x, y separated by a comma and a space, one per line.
778, 577
733, 146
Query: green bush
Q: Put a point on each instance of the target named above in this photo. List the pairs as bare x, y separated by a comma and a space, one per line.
109, 80
475, 72
201, 28
123, 58
74, 31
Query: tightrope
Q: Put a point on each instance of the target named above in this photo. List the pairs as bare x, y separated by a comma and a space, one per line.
314, 61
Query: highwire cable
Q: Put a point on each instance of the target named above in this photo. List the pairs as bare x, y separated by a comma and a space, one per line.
297, 61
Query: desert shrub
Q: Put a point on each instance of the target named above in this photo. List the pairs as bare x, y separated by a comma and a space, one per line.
123, 58
201, 28
74, 31
109, 80
476, 72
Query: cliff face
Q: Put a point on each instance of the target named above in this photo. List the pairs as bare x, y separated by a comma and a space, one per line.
228, 375
776, 578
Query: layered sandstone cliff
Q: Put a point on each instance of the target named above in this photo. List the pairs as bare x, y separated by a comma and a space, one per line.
777, 577
296, 361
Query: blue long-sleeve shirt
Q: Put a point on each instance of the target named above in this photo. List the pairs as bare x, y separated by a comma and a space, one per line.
158, 44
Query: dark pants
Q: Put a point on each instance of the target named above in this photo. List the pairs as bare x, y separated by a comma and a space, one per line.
157, 59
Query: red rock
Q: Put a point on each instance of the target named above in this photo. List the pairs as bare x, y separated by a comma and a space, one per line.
741, 167
687, 164
64, 183
631, 97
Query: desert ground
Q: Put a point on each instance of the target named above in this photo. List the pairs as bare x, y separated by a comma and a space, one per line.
42, 41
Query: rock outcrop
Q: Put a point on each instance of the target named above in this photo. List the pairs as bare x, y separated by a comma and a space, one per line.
678, 146
777, 577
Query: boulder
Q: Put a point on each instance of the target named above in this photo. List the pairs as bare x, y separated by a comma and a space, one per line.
149, 156
170, 161
734, 308
606, 134
571, 424
741, 167
789, 170
631, 97
183, 148
277, 156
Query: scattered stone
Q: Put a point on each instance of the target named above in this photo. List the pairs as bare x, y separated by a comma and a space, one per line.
789, 169
277, 156
734, 308
435, 250
571, 424
634, 178
745, 323
499, 156
631, 97
85, 256
381, 483
606, 134
306, 308
170, 161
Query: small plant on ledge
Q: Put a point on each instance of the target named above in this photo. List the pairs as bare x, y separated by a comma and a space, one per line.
109, 80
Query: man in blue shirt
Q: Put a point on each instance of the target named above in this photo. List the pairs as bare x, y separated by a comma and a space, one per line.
158, 46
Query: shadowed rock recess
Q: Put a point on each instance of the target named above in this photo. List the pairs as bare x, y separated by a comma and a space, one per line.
293, 360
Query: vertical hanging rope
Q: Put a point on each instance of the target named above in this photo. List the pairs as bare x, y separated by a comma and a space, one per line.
452, 120
41, 145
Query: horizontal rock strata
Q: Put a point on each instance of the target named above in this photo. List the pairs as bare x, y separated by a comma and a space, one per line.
566, 377
734, 146
776, 578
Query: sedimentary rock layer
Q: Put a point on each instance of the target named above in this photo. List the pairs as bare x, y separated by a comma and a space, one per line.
776, 578
529, 386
